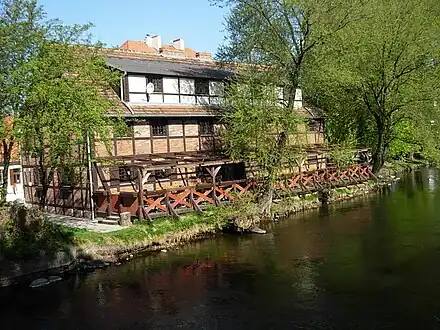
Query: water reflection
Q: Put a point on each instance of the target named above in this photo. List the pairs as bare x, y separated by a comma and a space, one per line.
366, 264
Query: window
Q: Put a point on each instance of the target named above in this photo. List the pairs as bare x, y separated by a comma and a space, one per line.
159, 128
202, 87
206, 127
314, 125
16, 176
157, 81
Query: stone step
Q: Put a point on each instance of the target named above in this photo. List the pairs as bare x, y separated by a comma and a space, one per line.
108, 221
112, 217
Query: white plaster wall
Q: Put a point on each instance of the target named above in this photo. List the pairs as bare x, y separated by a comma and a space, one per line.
173, 99
16, 192
187, 86
137, 84
216, 88
170, 85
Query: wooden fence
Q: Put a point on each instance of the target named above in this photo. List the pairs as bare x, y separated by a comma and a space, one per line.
175, 201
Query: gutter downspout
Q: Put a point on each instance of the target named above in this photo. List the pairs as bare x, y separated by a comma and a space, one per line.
89, 165
122, 95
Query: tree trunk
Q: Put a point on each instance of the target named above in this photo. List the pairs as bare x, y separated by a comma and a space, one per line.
381, 149
7, 148
266, 207
42, 197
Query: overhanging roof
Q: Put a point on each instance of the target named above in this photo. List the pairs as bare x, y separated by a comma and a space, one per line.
168, 68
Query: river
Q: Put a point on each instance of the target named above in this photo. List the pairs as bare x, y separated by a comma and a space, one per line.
371, 263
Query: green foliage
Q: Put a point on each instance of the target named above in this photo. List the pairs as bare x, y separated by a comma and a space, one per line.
51, 81
380, 71
17, 244
21, 30
343, 154
259, 130
282, 34
63, 105
405, 141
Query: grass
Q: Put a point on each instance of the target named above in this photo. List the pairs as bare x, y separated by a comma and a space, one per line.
158, 234
27, 245
395, 167
50, 238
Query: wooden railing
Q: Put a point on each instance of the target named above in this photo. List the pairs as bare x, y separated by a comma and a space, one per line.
175, 201
328, 178
192, 198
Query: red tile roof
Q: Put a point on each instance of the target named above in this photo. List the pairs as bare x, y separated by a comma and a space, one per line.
138, 46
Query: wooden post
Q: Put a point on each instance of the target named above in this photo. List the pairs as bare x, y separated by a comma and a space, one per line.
193, 202
140, 195
213, 171
168, 205
109, 203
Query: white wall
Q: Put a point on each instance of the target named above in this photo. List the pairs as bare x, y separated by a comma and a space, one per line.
187, 86
17, 191
138, 84
216, 88
171, 85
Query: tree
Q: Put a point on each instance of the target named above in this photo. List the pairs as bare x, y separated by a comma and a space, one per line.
387, 65
282, 34
21, 31
259, 130
274, 40
64, 105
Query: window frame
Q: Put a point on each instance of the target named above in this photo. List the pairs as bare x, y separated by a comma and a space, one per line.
155, 126
203, 125
157, 81
124, 176
314, 126
14, 172
198, 83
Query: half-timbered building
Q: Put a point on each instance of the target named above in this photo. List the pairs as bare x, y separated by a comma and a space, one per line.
170, 97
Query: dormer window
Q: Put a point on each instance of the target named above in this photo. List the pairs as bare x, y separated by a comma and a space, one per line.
157, 81
202, 86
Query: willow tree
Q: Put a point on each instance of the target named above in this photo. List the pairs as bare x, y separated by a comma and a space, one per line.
282, 34
386, 65
260, 130
273, 38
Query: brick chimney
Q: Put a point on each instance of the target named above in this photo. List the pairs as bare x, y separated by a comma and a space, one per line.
179, 44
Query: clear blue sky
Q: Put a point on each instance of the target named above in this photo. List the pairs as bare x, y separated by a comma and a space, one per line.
196, 21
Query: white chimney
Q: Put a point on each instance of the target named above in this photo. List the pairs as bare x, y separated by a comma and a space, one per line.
156, 42
298, 103
179, 44
148, 40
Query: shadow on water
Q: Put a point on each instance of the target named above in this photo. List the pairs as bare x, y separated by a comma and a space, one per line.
372, 263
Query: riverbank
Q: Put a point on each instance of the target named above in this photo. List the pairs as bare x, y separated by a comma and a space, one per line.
58, 248
55, 249
396, 167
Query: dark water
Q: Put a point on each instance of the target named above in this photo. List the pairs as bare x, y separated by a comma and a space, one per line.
368, 264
